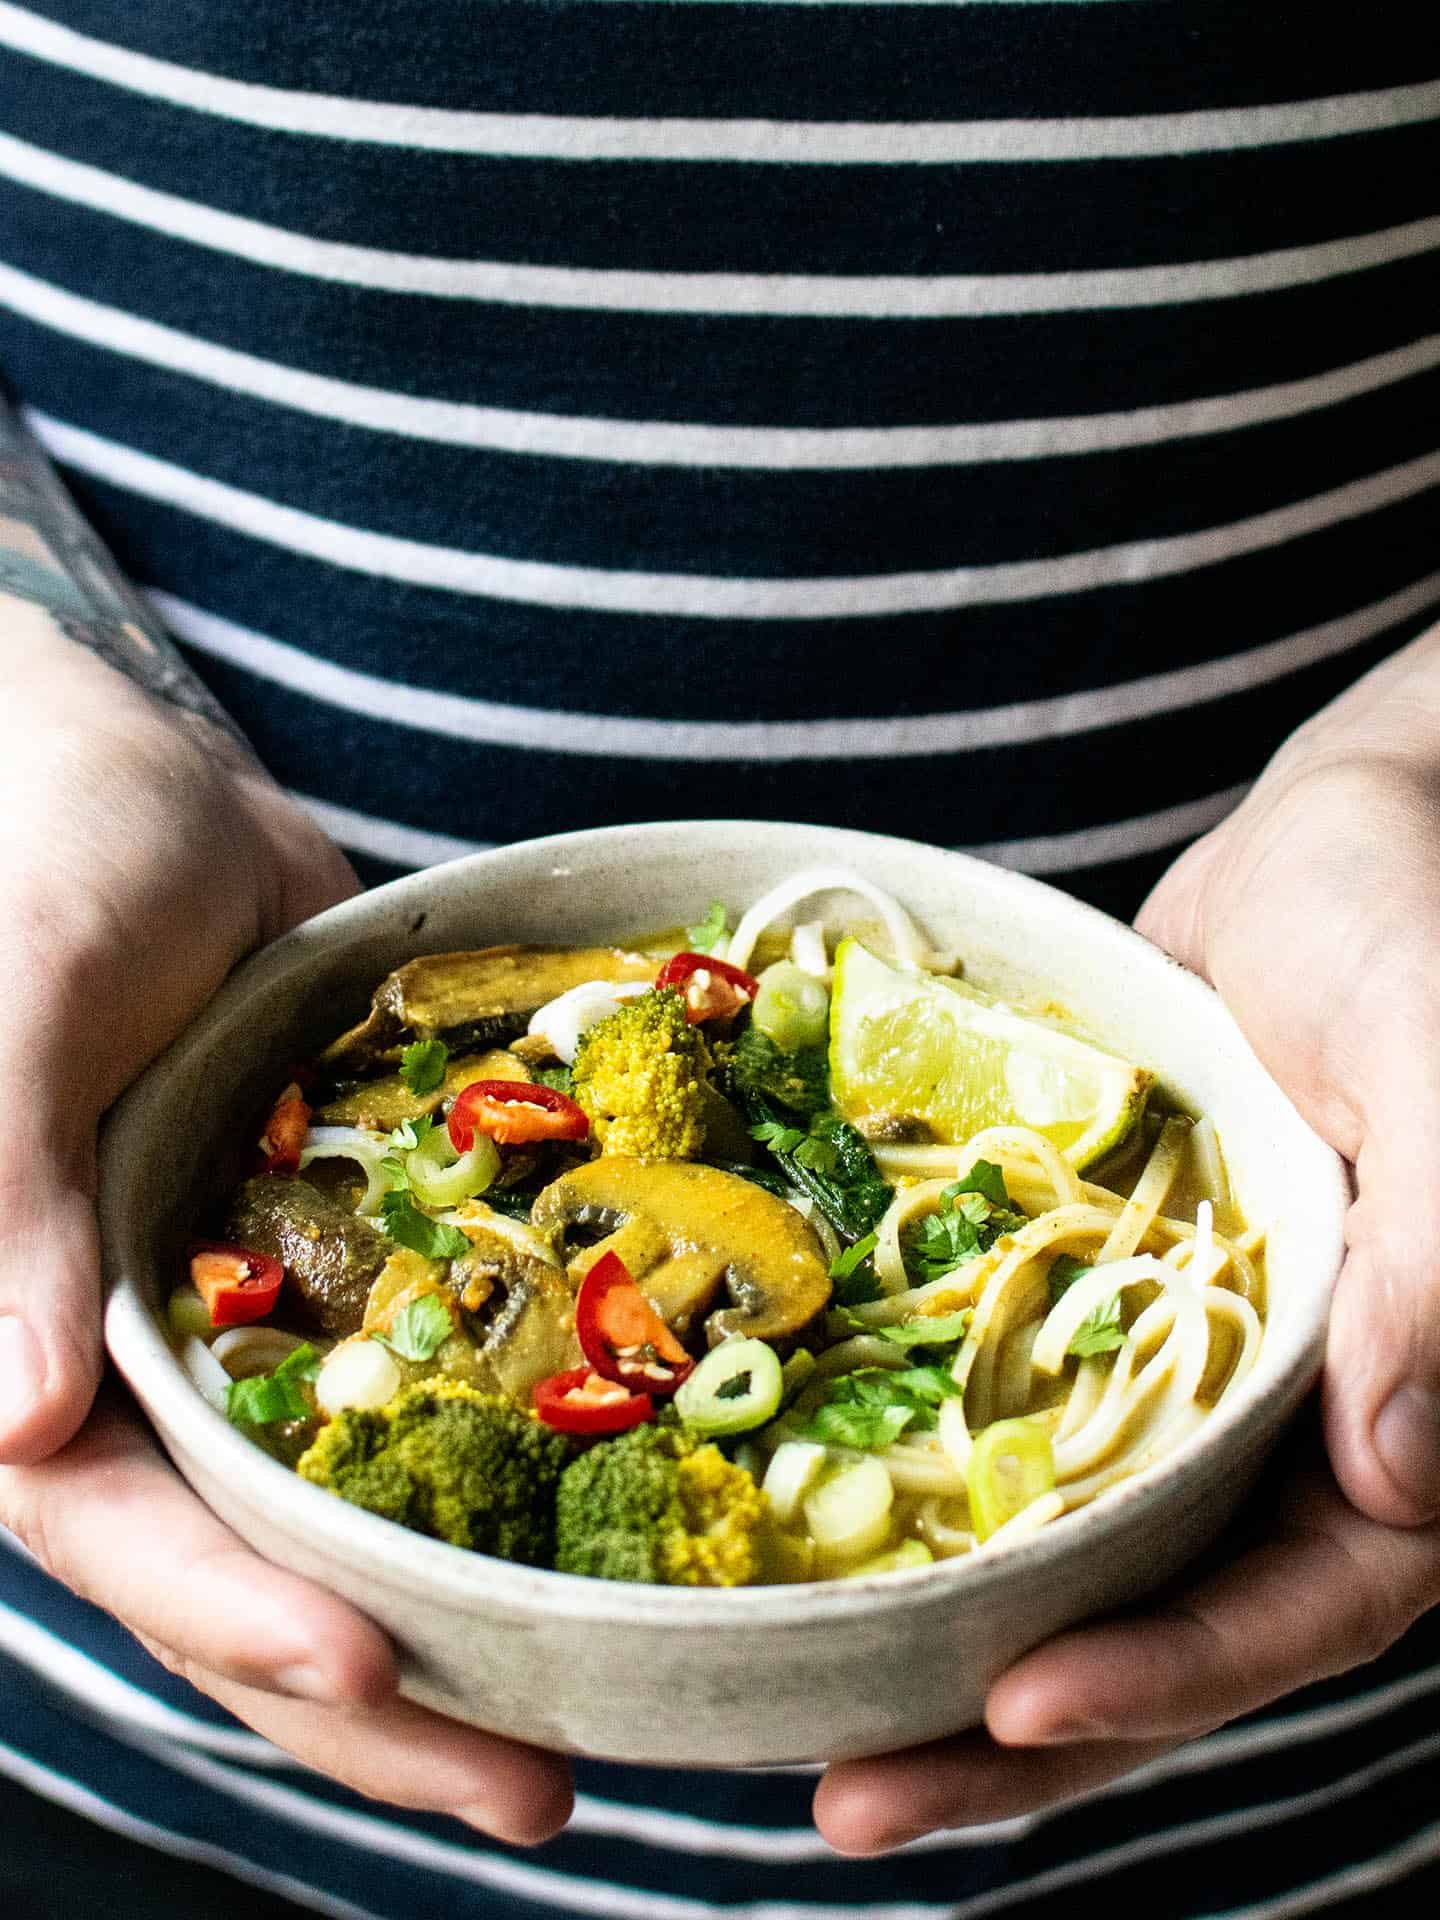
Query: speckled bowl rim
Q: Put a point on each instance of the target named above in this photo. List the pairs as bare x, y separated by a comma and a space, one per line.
370, 1544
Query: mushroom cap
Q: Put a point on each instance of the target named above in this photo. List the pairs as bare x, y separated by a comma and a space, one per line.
684, 1230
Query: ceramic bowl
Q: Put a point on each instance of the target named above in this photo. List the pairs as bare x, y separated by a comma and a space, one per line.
678, 1676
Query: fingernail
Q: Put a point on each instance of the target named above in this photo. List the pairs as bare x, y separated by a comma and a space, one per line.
22, 1369
304, 1682
1407, 1439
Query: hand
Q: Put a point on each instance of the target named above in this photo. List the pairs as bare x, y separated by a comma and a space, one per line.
1331, 863
144, 855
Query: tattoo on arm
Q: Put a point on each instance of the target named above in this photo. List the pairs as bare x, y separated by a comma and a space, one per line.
50, 556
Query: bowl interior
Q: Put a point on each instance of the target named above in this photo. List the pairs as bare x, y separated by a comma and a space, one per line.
176, 1127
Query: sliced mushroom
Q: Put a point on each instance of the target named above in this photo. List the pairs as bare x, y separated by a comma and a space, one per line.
386, 1103
479, 999
684, 1231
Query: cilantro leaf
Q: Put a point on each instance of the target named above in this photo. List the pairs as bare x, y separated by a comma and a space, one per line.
844, 1264
711, 930
268, 1398
405, 1222
560, 1078
874, 1405
1100, 1332
862, 1428
779, 1138
422, 1065
941, 1330
817, 1154
1065, 1270
986, 1179
409, 1134
419, 1329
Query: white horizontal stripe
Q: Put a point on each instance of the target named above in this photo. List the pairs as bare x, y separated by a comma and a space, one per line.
885, 737
679, 443
567, 137
715, 596
1122, 840
386, 839
102, 1692
1366, 1876
63, 1792
629, 1903
620, 290
1049, 853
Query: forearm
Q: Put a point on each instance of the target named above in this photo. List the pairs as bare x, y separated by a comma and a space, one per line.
58, 583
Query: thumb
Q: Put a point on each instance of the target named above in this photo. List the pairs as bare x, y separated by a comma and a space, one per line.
50, 1345
1381, 1391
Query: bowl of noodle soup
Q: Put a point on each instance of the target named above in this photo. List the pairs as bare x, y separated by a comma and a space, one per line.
1156, 1436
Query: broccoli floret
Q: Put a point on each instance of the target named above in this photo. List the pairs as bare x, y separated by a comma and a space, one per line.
642, 1075
440, 1458
659, 1506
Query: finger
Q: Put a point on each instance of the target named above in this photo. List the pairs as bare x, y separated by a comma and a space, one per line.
1381, 1390
870, 1806
109, 1518
50, 1350
412, 1758
1328, 1590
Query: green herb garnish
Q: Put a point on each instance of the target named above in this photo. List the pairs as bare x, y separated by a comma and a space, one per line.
420, 1329
940, 1331
1065, 1270
974, 1212
711, 930
404, 1222
422, 1065
875, 1405
267, 1398
1099, 1332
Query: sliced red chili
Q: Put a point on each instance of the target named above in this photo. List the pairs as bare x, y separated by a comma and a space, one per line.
513, 1112
582, 1401
237, 1286
712, 989
621, 1334
284, 1132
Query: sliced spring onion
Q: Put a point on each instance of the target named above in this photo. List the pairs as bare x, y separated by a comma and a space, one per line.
187, 1315
206, 1372
909, 1553
794, 1468
796, 1373
1011, 1465
439, 1177
848, 1515
366, 1149
359, 1373
246, 1351
736, 1386
792, 1007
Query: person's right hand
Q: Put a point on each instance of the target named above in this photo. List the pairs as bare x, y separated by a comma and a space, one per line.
143, 855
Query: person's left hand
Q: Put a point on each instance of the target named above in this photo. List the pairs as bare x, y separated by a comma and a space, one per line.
1315, 910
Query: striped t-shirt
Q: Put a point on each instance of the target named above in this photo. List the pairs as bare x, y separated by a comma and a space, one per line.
1000, 424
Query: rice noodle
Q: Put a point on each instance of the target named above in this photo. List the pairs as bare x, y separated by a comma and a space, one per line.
1209, 1164
1039, 1513
943, 1539
908, 946
807, 950
1134, 1219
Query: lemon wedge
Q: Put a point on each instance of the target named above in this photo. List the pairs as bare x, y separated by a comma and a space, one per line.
914, 1046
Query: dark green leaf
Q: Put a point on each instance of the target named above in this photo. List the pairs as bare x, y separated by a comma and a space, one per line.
422, 1065
753, 1067
406, 1223
560, 1078
1065, 1270
420, 1329
268, 1398
703, 939
1099, 1332
940, 1331
983, 1178
844, 1264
